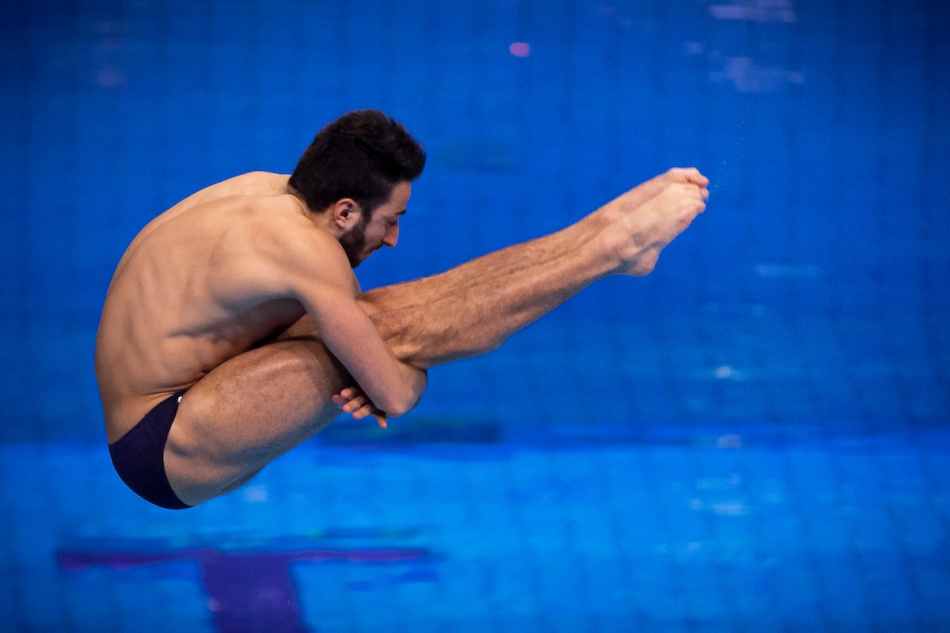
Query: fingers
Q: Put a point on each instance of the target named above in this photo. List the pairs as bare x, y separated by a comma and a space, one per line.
350, 400
370, 410
363, 411
356, 405
347, 394
353, 401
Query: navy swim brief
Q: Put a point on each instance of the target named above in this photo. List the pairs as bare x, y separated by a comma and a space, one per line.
138, 456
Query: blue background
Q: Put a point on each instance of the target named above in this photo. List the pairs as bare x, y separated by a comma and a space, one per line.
754, 437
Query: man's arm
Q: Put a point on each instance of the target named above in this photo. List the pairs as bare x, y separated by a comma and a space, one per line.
392, 386
309, 265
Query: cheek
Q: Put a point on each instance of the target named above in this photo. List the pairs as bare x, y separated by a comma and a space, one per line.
375, 233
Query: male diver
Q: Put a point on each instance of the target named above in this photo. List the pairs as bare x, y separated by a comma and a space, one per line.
234, 328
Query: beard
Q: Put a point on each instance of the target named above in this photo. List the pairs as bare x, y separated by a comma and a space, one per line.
354, 242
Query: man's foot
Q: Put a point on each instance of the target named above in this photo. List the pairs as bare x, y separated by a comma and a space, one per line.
644, 220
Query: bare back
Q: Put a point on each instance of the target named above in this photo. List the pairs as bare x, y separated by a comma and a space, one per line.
180, 303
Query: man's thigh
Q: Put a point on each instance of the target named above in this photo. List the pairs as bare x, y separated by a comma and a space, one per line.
248, 411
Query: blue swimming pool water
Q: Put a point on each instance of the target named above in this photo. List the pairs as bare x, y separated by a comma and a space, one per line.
753, 438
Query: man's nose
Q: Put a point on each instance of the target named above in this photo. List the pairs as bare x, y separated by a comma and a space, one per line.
392, 236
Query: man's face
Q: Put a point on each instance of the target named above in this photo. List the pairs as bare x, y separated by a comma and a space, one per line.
382, 229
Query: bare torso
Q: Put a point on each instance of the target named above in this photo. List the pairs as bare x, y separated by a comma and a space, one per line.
182, 301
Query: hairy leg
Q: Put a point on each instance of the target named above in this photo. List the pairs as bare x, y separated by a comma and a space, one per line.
474, 308
247, 412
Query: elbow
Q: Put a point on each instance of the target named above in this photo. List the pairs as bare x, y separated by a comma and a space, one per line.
398, 406
403, 395
396, 411
402, 401
399, 403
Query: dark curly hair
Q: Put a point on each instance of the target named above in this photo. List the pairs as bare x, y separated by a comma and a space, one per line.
362, 155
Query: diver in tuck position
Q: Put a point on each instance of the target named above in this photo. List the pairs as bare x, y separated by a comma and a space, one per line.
234, 328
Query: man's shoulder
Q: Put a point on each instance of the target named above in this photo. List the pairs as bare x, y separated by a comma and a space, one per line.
274, 229
231, 191
264, 248
251, 183
274, 216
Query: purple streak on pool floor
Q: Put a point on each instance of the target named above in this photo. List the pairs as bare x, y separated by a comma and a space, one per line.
247, 591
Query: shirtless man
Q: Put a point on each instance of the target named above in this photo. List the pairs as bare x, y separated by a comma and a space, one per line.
234, 328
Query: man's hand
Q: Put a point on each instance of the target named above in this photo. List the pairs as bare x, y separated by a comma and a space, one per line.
352, 400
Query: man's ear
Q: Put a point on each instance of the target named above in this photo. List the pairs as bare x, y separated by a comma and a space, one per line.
346, 214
